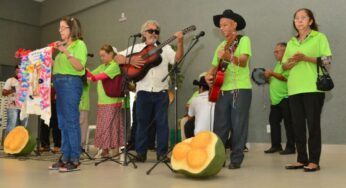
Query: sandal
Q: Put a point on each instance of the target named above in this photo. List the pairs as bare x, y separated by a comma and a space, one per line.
294, 166
308, 168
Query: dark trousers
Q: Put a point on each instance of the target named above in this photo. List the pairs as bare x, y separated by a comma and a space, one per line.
45, 130
306, 111
189, 128
152, 106
278, 113
232, 116
151, 131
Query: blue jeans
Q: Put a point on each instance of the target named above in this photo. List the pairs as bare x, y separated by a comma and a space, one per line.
232, 117
152, 107
68, 95
13, 119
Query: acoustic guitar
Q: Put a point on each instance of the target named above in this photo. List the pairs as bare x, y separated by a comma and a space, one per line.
219, 76
151, 56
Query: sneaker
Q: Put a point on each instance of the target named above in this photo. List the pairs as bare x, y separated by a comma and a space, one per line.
57, 165
70, 167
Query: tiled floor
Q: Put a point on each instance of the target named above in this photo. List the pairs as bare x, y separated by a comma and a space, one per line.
258, 170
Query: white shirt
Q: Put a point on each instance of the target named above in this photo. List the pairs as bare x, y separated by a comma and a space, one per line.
9, 84
152, 80
203, 110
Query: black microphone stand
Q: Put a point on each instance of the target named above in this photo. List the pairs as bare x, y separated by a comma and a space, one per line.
175, 70
127, 155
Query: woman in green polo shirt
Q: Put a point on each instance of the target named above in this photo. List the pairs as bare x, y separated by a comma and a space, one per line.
306, 101
68, 68
109, 123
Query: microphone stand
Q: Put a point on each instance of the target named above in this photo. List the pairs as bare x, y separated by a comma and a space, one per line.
125, 151
175, 70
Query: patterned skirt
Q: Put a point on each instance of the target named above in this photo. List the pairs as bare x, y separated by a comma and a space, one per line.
109, 127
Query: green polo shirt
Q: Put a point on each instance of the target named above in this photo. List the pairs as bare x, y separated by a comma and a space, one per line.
112, 69
278, 88
302, 77
85, 99
62, 65
236, 77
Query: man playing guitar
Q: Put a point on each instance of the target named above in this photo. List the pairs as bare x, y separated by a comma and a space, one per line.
152, 96
233, 104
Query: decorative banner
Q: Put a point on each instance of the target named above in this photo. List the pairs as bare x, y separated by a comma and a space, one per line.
35, 81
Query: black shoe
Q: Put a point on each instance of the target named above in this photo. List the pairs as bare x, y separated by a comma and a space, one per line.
141, 158
233, 166
288, 151
152, 148
163, 158
245, 149
273, 150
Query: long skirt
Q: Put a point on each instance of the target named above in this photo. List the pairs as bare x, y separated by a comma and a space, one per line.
109, 127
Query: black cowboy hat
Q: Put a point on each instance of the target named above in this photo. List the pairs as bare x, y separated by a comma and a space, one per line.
230, 15
201, 82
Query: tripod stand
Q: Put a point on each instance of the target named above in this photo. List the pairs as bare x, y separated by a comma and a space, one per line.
87, 154
175, 70
128, 157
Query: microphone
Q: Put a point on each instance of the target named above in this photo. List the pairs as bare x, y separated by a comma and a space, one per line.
136, 35
200, 34
90, 55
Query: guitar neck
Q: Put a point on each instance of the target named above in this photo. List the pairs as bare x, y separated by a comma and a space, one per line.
171, 39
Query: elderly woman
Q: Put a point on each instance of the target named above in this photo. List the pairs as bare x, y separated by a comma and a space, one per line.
303, 51
69, 66
109, 124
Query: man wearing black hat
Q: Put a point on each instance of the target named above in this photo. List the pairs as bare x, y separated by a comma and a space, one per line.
201, 109
233, 104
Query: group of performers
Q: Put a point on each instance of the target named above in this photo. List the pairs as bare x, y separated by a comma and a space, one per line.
292, 88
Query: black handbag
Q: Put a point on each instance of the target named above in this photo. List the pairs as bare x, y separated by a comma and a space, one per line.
324, 81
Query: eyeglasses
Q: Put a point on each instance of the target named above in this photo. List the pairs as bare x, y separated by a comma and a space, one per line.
63, 28
301, 18
151, 31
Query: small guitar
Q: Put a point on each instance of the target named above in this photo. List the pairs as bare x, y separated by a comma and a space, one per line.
151, 56
219, 76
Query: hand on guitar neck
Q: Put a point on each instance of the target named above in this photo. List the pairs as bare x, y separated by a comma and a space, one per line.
227, 54
223, 54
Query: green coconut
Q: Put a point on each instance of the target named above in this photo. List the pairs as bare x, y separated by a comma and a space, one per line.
19, 142
200, 157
